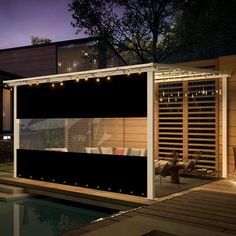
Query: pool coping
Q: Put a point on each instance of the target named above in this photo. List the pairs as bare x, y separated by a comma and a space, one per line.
75, 193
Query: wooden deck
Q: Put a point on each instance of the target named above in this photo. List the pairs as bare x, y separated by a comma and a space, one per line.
207, 210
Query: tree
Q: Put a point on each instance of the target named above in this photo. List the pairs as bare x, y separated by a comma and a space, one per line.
133, 27
36, 40
204, 29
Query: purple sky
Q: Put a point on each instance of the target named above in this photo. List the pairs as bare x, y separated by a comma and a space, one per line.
21, 19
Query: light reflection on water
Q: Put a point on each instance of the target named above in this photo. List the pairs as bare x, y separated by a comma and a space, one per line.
43, 217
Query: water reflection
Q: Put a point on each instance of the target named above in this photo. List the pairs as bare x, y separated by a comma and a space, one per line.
39, 217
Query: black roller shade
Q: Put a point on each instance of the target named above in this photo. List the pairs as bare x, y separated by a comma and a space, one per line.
121, 96
122, 174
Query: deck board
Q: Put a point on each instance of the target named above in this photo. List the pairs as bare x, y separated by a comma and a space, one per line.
86, 193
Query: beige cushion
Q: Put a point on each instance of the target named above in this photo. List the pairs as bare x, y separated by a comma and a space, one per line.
137, 152
92, 150
106, 150
57, 149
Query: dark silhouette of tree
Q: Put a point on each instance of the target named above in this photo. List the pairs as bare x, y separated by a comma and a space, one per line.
36, 40
204, 29
137, 29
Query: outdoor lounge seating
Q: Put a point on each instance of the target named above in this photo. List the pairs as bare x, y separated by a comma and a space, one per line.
163, 168
124, 151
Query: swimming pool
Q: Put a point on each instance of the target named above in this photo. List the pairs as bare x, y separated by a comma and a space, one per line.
45, 216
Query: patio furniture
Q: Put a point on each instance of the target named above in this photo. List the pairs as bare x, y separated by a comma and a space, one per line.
162, 168
188, 167
175, 172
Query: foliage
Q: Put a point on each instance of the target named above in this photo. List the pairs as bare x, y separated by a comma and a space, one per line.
135, 28
204, 29
36, 40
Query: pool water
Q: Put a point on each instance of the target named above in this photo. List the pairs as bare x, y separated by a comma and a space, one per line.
45, 216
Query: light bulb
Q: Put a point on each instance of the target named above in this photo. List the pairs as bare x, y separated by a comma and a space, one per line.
53, 85
61, 84
97, 80
108, 78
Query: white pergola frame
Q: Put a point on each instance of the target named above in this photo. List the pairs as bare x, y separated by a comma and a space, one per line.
156, 73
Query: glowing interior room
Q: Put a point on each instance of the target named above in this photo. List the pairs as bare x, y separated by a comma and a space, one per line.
105, 129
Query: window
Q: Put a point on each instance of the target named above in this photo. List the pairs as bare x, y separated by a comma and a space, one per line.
6, 112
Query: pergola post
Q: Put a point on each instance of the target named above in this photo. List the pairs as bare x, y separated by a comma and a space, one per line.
16, 132
150, 136
224, 127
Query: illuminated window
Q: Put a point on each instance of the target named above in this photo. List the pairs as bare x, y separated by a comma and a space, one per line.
6, 114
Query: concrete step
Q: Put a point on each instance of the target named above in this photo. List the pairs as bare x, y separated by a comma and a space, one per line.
12, 196
10, 189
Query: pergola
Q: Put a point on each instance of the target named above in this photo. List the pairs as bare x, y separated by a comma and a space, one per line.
156, 73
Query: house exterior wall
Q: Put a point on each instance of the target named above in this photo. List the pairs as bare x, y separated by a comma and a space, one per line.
226, 64
29, 61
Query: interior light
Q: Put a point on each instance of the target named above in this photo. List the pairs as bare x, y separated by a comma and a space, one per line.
97, 80
108, 78
77, 79
53, 85
86, 78
61, 84
37, 83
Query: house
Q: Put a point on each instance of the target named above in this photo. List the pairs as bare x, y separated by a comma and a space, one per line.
59, 57
52, 58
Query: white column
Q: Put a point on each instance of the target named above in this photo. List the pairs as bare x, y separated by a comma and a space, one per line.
150, 136
224, 127
16, 131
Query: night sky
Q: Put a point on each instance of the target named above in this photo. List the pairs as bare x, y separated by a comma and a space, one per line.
21, 19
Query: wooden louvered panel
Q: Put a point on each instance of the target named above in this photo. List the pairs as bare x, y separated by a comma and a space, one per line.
170, 118
188, 120
204, 105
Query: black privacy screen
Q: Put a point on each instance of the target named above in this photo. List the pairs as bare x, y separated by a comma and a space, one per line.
121, 96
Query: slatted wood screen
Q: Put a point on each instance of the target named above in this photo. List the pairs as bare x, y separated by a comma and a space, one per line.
187, 120
170, 118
